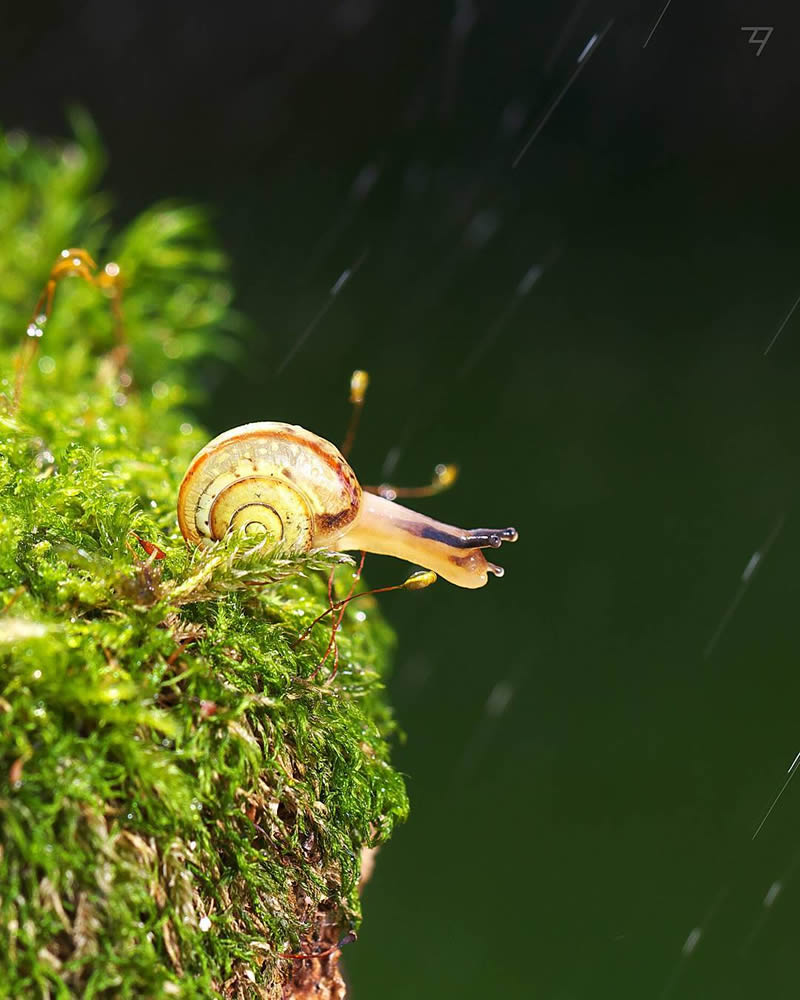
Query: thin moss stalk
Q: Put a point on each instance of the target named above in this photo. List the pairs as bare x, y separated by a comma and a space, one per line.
184, 799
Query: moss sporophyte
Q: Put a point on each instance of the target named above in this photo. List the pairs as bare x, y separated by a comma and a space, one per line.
189, 784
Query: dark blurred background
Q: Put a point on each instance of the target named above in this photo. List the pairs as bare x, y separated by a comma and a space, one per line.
593, 740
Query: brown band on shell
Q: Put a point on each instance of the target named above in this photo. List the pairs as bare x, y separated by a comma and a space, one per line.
333, 522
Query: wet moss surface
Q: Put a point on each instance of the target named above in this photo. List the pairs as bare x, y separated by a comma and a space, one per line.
184, 796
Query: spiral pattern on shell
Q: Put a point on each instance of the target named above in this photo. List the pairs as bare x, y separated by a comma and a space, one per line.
270, 480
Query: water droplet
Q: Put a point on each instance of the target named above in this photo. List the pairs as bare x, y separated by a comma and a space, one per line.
772, 893
499, 698
45, 459
692, 941
186, 428
341, 281
587, 48
751, 567
205, 924
529, 279
172, 349
47, 365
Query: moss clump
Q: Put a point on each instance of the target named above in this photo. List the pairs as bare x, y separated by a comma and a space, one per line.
182, 798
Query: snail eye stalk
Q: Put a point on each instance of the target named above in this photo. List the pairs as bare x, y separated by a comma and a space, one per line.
72, 263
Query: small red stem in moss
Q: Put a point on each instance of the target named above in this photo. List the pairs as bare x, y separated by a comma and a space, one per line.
173, 656
150, 547
15, 771
341, 605
14, 598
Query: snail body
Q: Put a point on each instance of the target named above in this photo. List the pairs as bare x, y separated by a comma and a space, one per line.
280, 483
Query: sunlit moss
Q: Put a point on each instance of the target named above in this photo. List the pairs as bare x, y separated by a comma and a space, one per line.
181, 795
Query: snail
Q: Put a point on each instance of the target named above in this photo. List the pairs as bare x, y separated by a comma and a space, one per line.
281, 481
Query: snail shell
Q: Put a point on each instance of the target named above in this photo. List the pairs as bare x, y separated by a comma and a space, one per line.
288, 487
269, 479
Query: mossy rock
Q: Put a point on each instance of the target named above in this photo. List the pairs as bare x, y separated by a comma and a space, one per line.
184, 797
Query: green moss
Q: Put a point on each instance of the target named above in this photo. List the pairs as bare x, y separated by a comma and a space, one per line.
181, 795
